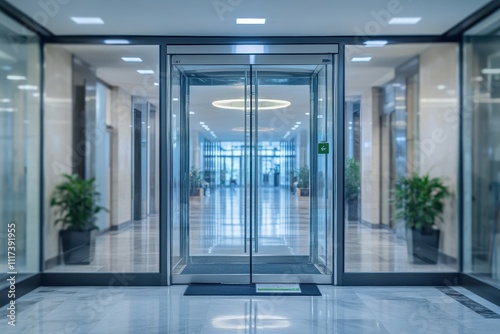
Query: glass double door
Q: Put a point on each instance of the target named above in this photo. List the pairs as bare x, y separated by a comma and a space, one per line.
252, 192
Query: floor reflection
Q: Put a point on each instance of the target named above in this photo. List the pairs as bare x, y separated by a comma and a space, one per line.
388, 310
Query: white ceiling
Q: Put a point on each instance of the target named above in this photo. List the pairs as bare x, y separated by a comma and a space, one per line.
360, 77
217, 17
109, 67
273, 124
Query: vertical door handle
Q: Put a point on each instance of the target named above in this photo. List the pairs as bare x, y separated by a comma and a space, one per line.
256, 165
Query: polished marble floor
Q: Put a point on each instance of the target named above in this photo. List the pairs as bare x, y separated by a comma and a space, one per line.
349, 310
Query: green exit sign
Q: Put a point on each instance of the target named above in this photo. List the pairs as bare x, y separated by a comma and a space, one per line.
323, 148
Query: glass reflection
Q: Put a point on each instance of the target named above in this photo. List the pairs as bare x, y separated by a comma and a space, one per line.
398, 126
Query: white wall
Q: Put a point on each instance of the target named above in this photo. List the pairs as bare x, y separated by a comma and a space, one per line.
58, 134
370, 156
438, 130
121, 160
102, 154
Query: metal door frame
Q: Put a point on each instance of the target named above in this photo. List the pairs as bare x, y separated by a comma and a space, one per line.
247, 55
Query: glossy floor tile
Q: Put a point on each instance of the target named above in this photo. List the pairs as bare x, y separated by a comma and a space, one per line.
350, 310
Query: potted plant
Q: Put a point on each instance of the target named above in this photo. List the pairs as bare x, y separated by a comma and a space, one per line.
419, 201
352, 188
76, 202
194, 182
303, 182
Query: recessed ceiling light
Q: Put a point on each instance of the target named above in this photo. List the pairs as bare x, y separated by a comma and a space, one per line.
145, 71
308, 113
191, 113
116, 41
361, 59
490, 71
202, 122
27, 87
375, 44
5, 100
16, 77
441, 87
87, 20
132, 59
298, 122
36, 94
405, 20
7, 109
261, 129
156, 84
239, 104
250, 21
175, 99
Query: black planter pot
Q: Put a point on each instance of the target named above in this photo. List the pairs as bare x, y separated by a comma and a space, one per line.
352, 210
304, 192
276, 179
194, 192
424, 245
78, 246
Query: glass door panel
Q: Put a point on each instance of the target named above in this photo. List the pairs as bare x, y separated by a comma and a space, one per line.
212, 168
292, 236
253, 198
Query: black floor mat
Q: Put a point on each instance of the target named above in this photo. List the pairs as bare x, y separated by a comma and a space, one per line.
244, 290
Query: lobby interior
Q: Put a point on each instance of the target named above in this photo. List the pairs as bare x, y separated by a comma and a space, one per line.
270, 152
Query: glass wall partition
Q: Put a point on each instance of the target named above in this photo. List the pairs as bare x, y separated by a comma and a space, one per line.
481, 155
401, 103
19, 150
101, 122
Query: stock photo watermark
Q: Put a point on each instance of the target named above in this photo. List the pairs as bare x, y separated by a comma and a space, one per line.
11, 273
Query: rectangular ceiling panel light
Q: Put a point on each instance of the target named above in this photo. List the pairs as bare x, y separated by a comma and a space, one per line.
250, 21
361, 59
405, 20
145, 71
116, 41
375, 43
87, 20
490, 71
16, 77
132, 59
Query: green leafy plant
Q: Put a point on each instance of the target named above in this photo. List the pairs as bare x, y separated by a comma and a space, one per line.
419, 200
76, 200
303, 174
352, 179
194, 178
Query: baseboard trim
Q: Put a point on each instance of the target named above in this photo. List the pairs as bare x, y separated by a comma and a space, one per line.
481, 288
375, 226
23, 286
53, 262
121, 226
400, 279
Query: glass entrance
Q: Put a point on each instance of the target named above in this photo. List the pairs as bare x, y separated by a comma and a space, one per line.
252, 176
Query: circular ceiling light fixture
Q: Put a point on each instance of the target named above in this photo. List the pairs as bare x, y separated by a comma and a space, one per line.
261, 129
239, 104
